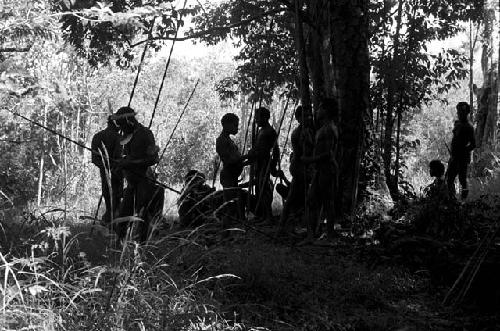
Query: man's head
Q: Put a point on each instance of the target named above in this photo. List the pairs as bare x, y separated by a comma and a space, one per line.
463, 110
436, 168
262, 116
111, 124
230, 123
328, 110
125, 119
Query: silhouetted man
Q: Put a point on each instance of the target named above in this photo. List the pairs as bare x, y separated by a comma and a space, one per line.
324, 182
107, 144
265, 156
462, 144
232, 166
302, 140
142, 197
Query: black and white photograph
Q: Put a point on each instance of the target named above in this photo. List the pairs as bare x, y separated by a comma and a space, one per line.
249, 165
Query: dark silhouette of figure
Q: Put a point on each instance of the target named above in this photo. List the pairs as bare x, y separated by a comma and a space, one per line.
462, 144
324, 182
107, 143
438, 189
302, 140
283, 188
265, 156
196, 200
142, 197
232, 166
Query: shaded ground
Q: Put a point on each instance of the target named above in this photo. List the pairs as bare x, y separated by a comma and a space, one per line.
252, 282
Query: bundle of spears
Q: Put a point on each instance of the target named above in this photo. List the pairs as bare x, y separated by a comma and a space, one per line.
462, 285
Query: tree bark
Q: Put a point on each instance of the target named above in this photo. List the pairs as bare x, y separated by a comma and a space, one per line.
316, 55
352, 83
305, 95
471, 67
485, 94
42, 162
391, 95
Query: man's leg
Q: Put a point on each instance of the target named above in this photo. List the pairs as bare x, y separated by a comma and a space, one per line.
267, 199
145, 193
230, 211
117, 188
287, 206
328, 202
462, 177
264, 194
294, 201
126, 209
259, 194
106, 217
313, 208
451, 174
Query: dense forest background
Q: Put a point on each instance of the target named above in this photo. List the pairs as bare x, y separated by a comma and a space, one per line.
52, 74
397, 67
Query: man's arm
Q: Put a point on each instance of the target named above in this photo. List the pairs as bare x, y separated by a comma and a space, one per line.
227, 155
151, 155
95, 157
472, 139
322, 150
275, 159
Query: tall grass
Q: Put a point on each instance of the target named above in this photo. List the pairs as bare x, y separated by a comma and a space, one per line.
55, 277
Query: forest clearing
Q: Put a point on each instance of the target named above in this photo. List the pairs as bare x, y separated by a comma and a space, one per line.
249, 165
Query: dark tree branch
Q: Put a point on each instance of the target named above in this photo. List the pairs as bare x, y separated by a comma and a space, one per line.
14, 49
215, 28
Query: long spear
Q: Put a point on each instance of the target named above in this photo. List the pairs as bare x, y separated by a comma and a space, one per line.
144, 51
81, 145
165, 71
177, 123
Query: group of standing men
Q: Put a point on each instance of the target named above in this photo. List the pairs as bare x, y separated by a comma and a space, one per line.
312, 165
126, 149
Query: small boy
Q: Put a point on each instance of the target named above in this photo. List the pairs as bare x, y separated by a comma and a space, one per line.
437, 190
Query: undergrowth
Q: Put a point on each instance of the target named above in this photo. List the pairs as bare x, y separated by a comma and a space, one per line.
54, 276
59, 274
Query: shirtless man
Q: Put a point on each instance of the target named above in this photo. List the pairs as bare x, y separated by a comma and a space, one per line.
107, 143
265, 156
324, 182
232, 166
141, 197
462, 144
302, 140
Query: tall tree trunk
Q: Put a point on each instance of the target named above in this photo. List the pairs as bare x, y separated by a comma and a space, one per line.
305, 95
352, 83
391, 96
485, 93
495, 123
315, 54
398, 154
471, 66
42, 162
